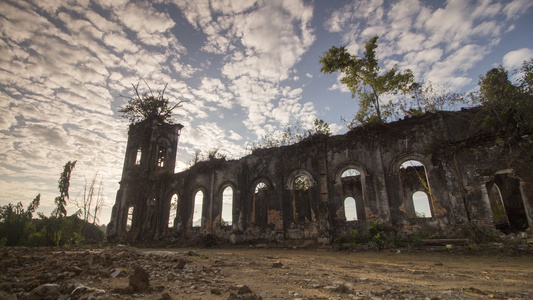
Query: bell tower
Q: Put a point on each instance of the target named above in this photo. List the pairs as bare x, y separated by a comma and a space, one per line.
149, 163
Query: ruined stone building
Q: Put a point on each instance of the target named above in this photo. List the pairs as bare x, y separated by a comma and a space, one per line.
431, 175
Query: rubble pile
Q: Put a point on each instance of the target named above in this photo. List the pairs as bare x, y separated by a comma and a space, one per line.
121, 272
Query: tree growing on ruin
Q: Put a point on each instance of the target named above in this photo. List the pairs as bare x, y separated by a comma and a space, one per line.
429, 97
509, 107
366, 81
320, 127
148, 106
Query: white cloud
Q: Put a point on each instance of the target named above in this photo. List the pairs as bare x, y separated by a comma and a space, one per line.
120, 42
142, 17
451, 71
515, 8
436, 41
261, 41
213, 90
514, 59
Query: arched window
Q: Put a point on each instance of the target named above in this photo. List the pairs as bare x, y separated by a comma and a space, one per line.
301, 183
350, 173
498, 209
197, 210
301, 204
507, 204
260, 186
416, 189
227, 207
421, 205
351, 183
173, 210
259, 213
350, 209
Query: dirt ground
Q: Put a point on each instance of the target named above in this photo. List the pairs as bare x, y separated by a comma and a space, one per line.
324, 274
249, 273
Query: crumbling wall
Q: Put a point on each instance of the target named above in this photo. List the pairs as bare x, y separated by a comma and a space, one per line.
452, 169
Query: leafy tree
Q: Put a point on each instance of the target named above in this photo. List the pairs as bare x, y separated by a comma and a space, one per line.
509, 107
362, 77
148, 106
280, 138
58, 231
15, 222
526, 78
321, 127
429, 97
64, 185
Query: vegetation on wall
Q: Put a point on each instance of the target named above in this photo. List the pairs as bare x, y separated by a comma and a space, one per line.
148, 106
292, 135
366, 81
508, 107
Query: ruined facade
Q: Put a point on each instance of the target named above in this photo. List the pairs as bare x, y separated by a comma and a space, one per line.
431, 175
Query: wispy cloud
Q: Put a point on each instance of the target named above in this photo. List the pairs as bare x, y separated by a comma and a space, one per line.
436, 42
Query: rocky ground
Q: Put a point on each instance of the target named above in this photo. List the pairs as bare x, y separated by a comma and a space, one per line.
123, 272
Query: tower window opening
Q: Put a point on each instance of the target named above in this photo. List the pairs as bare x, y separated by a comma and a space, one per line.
129, 219
138, 157
161, 155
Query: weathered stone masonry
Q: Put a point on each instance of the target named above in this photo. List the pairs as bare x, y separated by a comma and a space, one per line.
467, 181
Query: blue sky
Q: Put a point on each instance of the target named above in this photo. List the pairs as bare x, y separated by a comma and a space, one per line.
244, 68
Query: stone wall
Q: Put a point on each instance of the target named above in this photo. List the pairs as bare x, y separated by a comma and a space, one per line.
431, 175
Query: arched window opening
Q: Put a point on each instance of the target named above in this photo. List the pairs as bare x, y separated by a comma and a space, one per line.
173, 210
421, 205
138, 157
350, 173
507, 204
301, 183
259, 213
197, 210
416, 190
227, 207
261, 186
350, 209
352, 191
301, 204
129, 219
417, 171
498, 209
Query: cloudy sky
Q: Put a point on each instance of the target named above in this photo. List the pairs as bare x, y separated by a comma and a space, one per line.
244, 68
